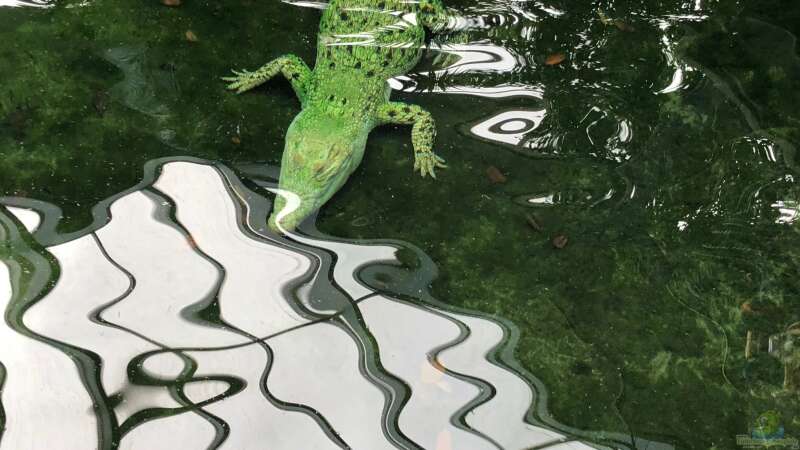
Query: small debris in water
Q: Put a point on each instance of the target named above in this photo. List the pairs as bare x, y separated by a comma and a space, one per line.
18, 120
191, 37
361, 221
748, 347
604, 19
495, 175
622, 26
555, 59
430, 374
236, 140
444, 440
171, 2
100, 102
534, 223
559, 241
581, 368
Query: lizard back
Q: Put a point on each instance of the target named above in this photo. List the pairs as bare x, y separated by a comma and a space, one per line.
362, 43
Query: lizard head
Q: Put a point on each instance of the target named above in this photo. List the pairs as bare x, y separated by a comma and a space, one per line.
321, 152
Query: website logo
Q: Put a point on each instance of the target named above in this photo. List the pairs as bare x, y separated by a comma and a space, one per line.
767, 431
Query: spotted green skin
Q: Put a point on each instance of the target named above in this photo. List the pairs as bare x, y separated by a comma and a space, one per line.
361, 44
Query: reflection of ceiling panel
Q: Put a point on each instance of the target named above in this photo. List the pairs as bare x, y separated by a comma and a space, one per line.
202, 336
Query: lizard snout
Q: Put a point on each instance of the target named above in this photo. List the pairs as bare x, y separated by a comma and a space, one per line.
291, 210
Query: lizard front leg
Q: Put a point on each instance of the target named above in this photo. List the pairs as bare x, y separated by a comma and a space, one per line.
291, 66
422, 134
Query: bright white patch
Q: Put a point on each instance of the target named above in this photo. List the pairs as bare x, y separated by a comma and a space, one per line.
43, 397
510, 127
30, 3
514, 126
30, 219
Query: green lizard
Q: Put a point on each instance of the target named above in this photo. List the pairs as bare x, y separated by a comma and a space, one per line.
361, 44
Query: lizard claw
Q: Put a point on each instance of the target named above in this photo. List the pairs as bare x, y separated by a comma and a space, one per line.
427, 162
242, 81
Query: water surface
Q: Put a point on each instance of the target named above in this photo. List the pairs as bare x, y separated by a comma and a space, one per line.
662, 146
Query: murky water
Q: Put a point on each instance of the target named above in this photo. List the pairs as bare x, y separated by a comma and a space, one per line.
610, 259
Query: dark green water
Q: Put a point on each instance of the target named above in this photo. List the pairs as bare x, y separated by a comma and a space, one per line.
668, 147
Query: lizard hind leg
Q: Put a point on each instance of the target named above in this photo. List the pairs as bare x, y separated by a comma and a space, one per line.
290, 66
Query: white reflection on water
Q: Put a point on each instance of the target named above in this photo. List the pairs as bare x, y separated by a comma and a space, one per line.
32, 3
510, 127
475, 57
479, 57
681, 68
202, 337
788, 210
307, 4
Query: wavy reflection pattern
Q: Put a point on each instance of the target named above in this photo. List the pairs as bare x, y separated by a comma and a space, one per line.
191, 328
30, 3
505, 45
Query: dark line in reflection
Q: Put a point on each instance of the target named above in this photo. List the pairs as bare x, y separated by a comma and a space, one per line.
221, 428
138, 419
501, 355
2, 409
486, 391
216, 319
176, 389
550, 444
140, 377
253, 208
33, 274
318, 417
395, 391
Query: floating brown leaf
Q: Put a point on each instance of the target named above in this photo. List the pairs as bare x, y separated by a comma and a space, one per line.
554, 59
495, 175
100, 101
534, 223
